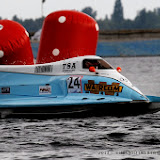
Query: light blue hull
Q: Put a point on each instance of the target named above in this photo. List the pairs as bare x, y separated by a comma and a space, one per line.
56, 94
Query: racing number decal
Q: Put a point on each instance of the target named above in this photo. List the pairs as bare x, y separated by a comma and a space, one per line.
74, 84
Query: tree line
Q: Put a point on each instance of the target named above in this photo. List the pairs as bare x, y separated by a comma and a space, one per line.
143, 20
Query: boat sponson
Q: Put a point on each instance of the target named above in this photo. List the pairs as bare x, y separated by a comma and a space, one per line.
72, 106
79, 99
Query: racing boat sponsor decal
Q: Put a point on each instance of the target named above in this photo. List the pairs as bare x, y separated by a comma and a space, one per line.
69, 67
102, 87
5, 90
43, 69
45, 90
74, 84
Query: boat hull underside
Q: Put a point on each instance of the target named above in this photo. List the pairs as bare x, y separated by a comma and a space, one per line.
87, 110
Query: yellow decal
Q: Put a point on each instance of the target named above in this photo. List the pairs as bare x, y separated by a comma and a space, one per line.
102, 87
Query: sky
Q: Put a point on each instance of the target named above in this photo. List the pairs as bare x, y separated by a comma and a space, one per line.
26, 9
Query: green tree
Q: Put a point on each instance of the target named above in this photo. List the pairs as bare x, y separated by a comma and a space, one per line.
90, 11
15, 18
117, 16
128, 24
31, 25
140, 19
104, 24
146, 20
157, 11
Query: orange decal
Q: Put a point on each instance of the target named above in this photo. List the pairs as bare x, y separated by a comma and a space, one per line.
102, 87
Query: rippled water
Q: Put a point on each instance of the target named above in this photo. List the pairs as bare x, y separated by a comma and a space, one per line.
94, 138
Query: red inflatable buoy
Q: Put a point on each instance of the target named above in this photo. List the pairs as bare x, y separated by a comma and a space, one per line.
67, 34
15, 48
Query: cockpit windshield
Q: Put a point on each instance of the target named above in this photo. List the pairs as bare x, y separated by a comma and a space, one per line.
97, 63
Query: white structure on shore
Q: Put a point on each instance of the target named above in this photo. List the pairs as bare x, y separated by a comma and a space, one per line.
36, 36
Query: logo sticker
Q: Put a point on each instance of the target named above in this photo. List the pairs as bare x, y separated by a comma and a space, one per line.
45, 90
43, 69
102, 87
5, 90
69, 67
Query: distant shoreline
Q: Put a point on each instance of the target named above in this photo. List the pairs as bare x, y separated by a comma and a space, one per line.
124, 35
129, 35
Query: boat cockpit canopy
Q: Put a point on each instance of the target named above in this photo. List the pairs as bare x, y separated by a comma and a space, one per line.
97, 63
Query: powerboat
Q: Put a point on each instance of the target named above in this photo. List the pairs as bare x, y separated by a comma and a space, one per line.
85, 85
68, 79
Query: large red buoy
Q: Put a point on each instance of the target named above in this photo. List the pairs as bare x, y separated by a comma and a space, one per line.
67, 34
15, 48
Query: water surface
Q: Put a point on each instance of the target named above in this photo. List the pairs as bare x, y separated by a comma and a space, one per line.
94, 138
